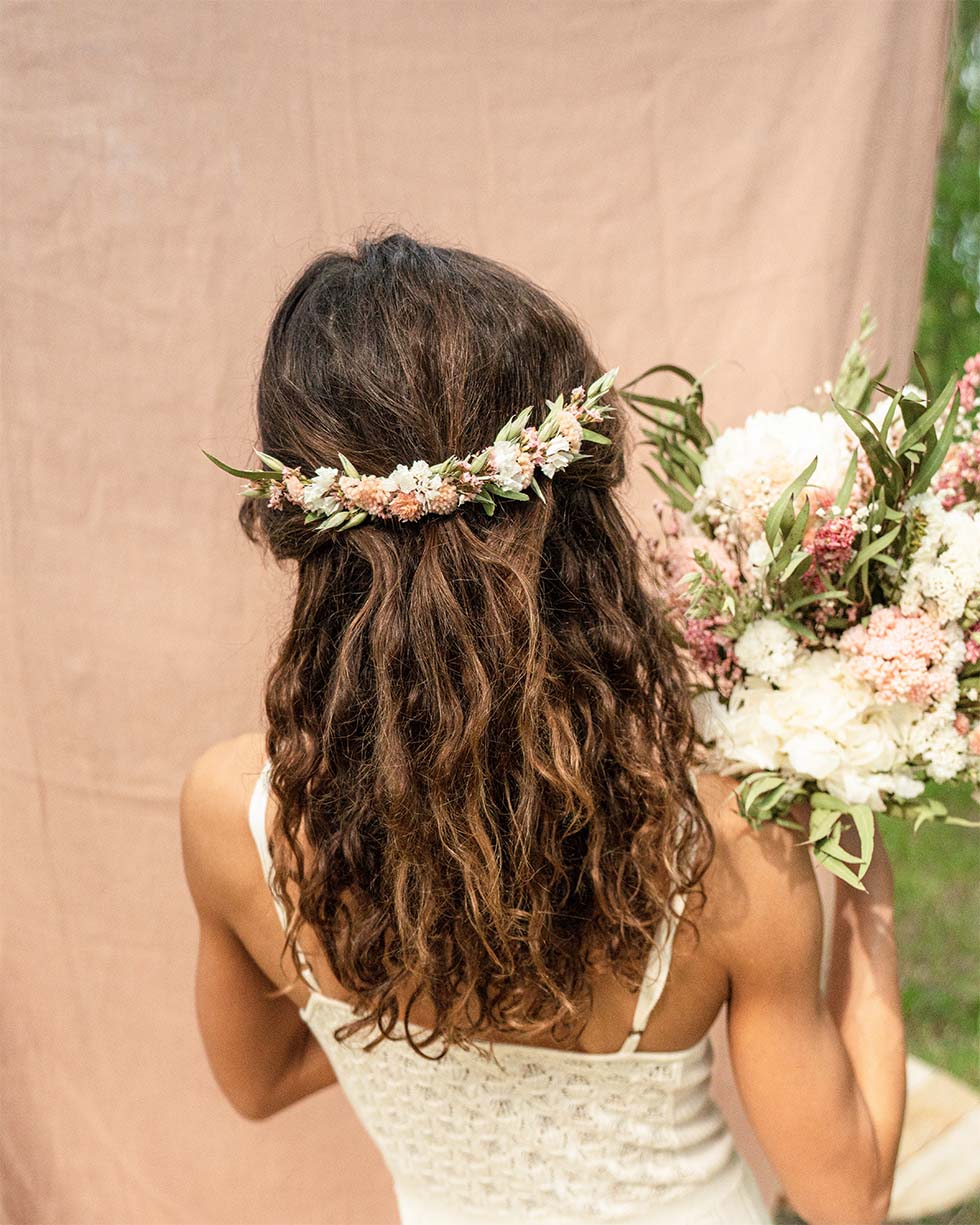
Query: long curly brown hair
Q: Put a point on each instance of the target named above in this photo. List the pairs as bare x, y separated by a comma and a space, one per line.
481, 726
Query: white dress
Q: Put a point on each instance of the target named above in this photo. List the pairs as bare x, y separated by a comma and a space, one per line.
540, 1135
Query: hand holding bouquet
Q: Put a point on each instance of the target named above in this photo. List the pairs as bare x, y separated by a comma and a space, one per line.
826, 569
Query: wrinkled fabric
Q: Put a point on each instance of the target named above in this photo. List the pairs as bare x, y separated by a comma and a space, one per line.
718, 184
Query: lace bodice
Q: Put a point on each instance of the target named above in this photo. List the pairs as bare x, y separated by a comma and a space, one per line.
534, 1134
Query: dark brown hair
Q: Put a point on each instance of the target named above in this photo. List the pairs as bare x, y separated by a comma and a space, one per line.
480, 725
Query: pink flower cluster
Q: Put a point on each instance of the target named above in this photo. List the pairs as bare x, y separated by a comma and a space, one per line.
895, 653
713, 654
832, 544
961, 725
972, 642
969, 384
959, 478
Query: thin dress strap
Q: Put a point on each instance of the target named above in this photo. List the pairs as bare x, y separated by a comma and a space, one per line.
655, 976
256, 821
658, 963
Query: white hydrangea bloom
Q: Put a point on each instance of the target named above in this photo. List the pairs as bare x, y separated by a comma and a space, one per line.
767, 649
935, 741
945, 570
746, 468
822, 724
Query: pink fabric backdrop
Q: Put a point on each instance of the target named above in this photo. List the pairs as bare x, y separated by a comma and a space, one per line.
702, 181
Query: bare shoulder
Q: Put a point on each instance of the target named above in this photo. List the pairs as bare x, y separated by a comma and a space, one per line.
217, 845
762, 905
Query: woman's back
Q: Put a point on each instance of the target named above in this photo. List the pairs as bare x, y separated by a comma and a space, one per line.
536, 1133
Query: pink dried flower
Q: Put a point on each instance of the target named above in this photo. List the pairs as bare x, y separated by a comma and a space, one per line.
294, 488
468, 484
275, 496
973, 741
526, 465
444, 500
367, 494
531, 444
570, 429
895, 653
972, 640
961, 723
969, 384
959, 477
712, 653
406, 506
832, 544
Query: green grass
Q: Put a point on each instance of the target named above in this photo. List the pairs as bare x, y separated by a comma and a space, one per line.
937, 919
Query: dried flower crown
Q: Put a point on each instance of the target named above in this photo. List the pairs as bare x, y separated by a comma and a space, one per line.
338, 500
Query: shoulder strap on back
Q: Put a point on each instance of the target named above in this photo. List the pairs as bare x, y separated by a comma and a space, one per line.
256, 821
655, 977
658, 964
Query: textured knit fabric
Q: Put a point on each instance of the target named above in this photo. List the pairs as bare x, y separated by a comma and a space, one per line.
537, 1134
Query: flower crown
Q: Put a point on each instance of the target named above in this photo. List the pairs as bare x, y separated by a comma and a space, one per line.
341, 500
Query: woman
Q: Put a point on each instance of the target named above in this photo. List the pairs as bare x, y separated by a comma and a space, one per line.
512, 915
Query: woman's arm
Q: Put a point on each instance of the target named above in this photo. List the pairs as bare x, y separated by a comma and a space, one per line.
863, 996
261, 1052
823, 1080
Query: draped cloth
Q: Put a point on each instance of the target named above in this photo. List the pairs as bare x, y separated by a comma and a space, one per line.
718, 183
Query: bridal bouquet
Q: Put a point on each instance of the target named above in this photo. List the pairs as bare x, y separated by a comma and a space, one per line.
825, 563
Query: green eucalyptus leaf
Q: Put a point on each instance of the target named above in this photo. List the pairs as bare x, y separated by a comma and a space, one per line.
677, 499
864, 820
592, 436
673, 406
663, 367
334, 521
923, 374
831, 846
797, 627
840, 595
928, 419
839, 869
754, 787
883, 464
871, 550
889, 416
509, 494
784, 502
847, 485
678, 474
271, 461
933, 461
253, 474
